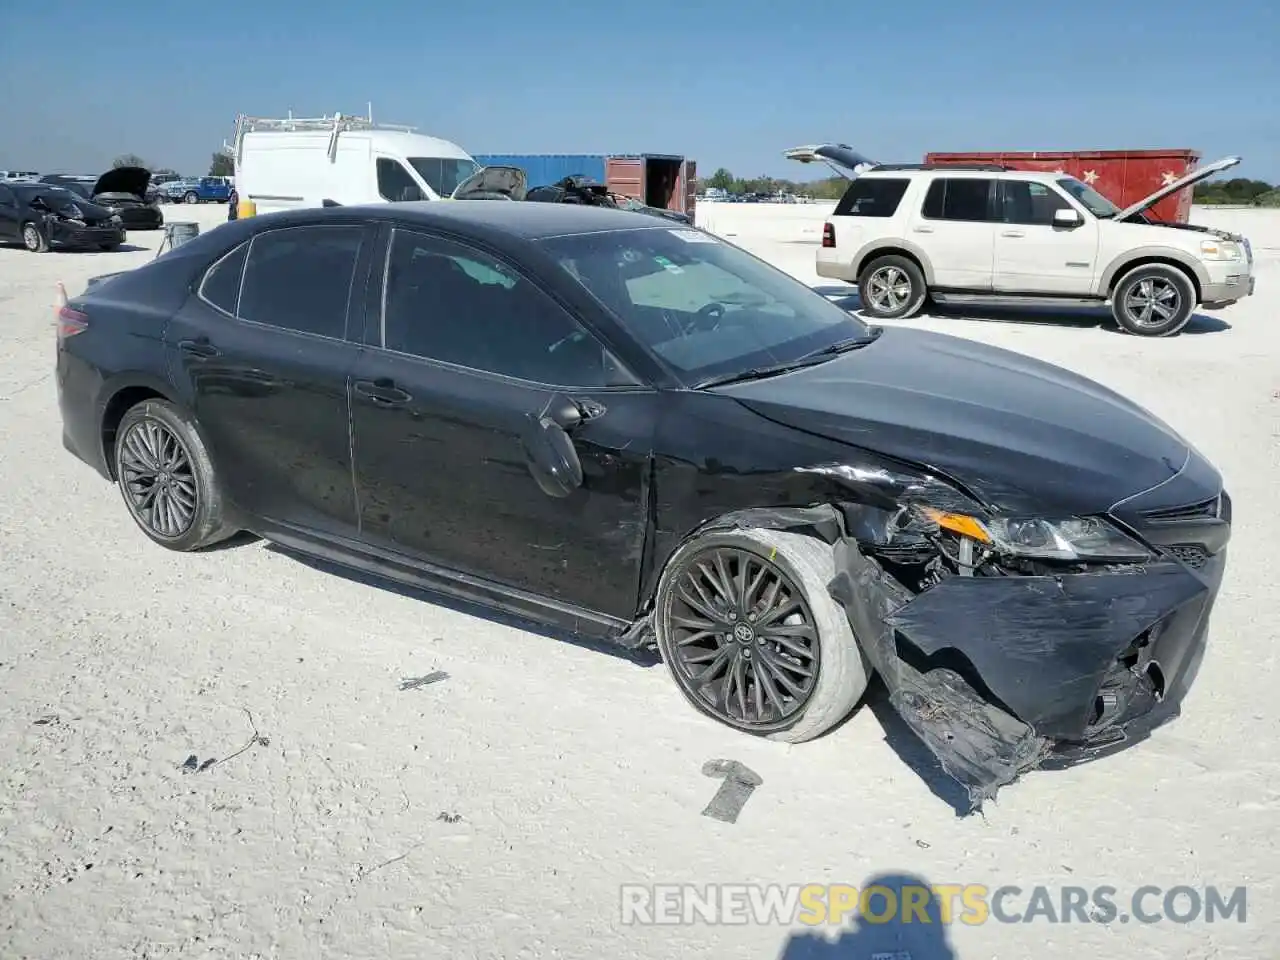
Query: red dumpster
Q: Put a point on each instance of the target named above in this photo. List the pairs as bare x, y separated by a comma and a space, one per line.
1122, 176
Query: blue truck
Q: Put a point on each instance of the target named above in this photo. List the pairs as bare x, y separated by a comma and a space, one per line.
197, 190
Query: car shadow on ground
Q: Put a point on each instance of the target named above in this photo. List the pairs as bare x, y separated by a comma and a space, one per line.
643, 658
886, 931
846, 298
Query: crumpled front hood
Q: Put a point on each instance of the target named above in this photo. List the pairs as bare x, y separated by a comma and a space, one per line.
1022, 434
75, 209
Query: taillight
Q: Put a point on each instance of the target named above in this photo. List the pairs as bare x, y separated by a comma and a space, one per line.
71, 322
828, 235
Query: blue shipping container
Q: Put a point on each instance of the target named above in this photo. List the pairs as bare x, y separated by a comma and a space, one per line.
546, 168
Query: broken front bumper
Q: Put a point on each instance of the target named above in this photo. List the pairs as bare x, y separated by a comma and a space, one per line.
64, 233
999, 675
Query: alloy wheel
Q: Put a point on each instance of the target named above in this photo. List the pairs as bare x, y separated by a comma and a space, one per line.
158, 480
743, 639
889, 289
31, 238
1152, 301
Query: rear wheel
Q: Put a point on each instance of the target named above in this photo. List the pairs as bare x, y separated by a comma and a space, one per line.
191, 197
1153, 300
753, 638
167, 479
33, 239
892, 288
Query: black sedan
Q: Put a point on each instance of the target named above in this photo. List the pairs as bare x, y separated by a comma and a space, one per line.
633, 430
121, 190
45, 215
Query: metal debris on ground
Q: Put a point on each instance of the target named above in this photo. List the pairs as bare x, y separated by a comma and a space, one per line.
449, 817
739, 782
413, 683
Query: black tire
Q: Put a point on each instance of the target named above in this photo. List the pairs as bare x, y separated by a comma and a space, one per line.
841, 667
892, 287
33, 239
208, 521
1153, 300
191, 197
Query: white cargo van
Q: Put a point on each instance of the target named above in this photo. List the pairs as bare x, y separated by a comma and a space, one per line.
282, 164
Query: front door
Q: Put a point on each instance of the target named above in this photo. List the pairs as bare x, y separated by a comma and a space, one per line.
1034, 256
472, 368
956, 227
262, 356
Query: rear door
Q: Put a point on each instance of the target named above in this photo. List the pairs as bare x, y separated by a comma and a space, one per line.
472, 375
956, 226
262, 356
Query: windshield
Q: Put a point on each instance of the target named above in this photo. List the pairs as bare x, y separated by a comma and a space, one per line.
705, 307
1092, 200
444, 174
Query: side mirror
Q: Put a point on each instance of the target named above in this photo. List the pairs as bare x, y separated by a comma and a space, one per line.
1067, 218
551, 456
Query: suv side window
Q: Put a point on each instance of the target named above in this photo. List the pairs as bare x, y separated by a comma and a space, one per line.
299, 278
959, 198
450, 302
1025, 201
221, 285
394, 182
872, 197
7, 198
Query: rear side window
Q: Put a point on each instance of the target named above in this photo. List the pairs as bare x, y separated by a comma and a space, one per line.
221, 286
299, 278
959, 198
872, 197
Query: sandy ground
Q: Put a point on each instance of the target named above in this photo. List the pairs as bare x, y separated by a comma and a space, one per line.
495, 813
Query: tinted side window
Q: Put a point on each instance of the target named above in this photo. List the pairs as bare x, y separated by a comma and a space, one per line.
221, 285
7, 198
958, 199
1031, 203
300, 278
873, 197
395, 183
446, 301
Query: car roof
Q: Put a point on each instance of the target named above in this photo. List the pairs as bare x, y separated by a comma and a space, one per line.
528, 220
945, 171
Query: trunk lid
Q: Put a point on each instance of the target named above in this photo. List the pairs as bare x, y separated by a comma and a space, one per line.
1173, 186
131, 180
493, 183
840, 157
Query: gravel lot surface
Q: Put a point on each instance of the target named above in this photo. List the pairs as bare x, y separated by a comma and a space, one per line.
495, 813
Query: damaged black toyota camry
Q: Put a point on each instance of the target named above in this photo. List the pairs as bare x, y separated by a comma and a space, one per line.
633, 430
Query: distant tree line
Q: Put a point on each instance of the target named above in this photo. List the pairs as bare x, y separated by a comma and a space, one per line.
1236, 192
220, 166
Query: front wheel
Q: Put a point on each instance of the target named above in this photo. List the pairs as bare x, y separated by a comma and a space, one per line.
167, 479
892, 288
753, 638
191, 198
33, 239
1154, 300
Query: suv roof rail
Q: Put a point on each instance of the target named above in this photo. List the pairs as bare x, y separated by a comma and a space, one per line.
334, 125
986, 167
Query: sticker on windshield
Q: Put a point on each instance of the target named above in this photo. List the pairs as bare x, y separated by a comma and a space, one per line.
693, 236
667, 265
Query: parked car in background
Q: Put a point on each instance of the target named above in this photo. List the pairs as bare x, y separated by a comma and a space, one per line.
122, 190
984, 233
199, 190
635, 431
46, 215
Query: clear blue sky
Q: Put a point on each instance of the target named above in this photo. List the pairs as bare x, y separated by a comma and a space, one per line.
726, 83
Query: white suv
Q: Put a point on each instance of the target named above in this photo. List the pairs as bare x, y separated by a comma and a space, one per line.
984, 233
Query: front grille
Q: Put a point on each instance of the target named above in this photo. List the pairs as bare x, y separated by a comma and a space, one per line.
1203, 510
1191, 554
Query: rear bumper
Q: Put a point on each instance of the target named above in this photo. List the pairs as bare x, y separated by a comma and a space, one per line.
79, 387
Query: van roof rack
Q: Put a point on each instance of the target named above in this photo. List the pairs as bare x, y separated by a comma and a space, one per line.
336, 124
986, 167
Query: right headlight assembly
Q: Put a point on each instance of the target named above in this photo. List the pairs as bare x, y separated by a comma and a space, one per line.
1040, 538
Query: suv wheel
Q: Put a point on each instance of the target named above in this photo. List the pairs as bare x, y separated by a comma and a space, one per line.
891, 288
1153, 300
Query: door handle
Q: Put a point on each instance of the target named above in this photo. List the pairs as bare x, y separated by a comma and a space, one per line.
922, 229
1012, 233
383, 392
199, 347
